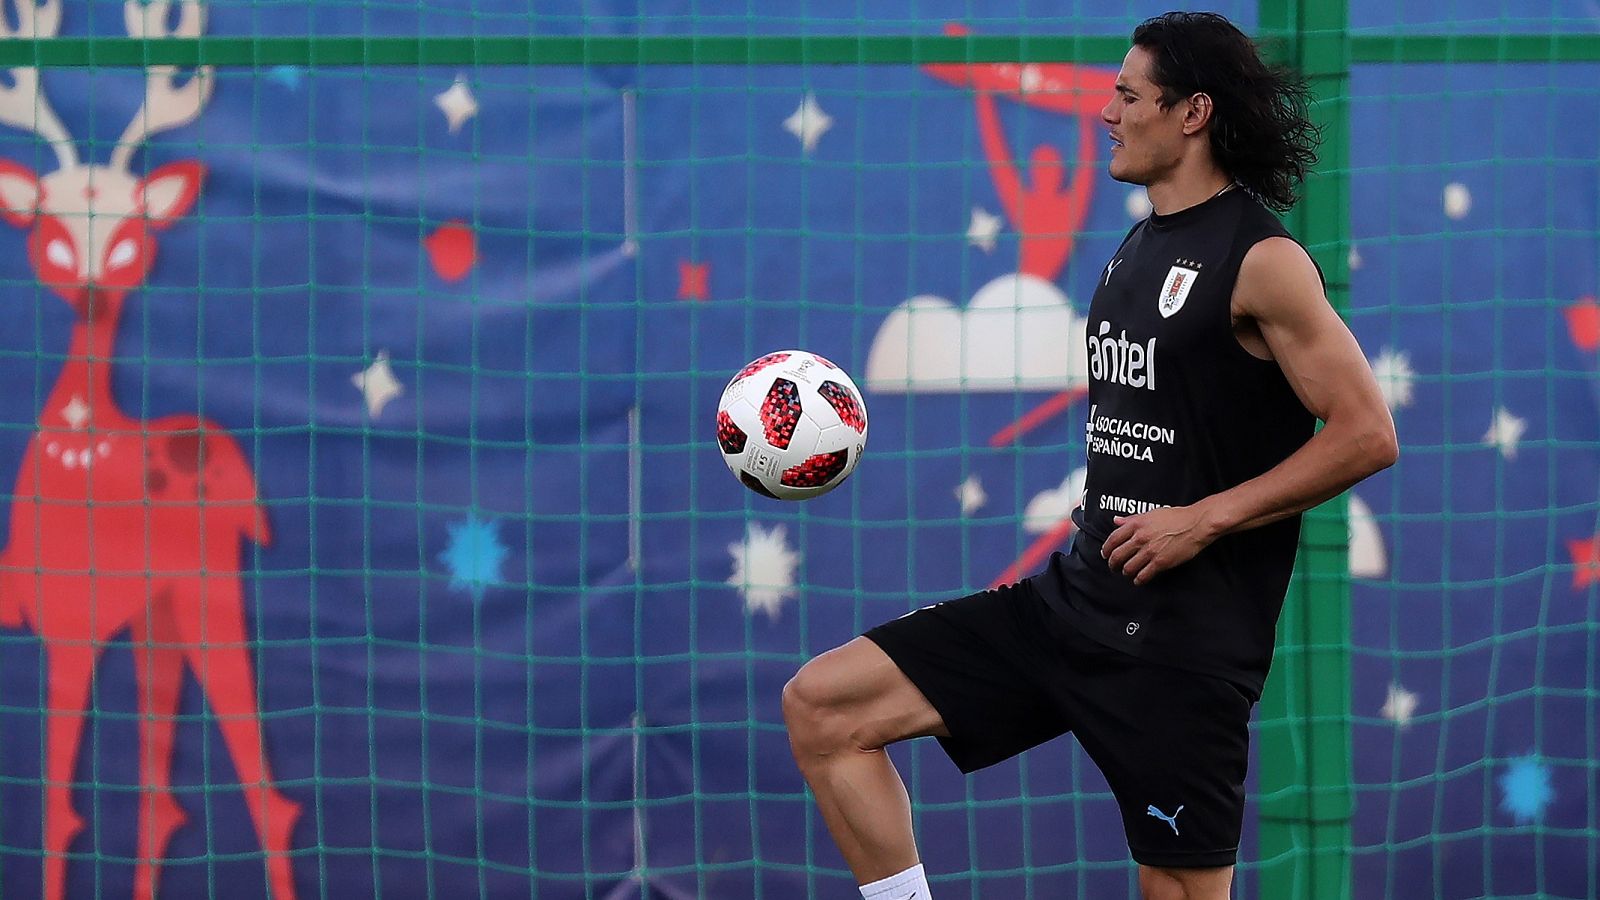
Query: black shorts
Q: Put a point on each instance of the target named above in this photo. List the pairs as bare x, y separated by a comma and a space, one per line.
1006, 673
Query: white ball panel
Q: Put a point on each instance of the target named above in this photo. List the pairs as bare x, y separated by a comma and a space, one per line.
818, 429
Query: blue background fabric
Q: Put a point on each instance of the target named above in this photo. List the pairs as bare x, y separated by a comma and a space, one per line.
502, 643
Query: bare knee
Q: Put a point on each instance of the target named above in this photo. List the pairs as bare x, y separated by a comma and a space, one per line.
853, 699
813, 709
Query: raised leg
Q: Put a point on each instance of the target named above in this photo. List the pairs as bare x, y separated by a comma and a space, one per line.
211, 625
71, 671
158, 667
842, 709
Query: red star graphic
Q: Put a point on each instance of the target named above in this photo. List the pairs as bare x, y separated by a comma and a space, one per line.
1583, 323
694, 280
1585, 553
452, 250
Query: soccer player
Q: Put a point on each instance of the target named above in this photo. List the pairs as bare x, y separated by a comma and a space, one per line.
1212, 352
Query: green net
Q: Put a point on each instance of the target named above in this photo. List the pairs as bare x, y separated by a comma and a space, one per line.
377, 526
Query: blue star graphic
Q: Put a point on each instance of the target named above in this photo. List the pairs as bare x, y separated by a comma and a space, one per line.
474, 555
1526, 787
288, 76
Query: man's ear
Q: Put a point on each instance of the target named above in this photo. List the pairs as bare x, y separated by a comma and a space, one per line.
1197, 112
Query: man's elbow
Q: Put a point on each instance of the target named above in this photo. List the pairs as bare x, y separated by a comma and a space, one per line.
1379, 447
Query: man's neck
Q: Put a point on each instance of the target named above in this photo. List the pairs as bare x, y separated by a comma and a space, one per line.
1184, 189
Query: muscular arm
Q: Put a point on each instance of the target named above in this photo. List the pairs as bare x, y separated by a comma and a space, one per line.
1279, 292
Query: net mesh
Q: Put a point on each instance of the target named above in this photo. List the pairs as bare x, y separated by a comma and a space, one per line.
505, 626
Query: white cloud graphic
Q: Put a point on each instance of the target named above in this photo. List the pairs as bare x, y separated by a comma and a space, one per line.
1049, 508
1367, 556
1018, 333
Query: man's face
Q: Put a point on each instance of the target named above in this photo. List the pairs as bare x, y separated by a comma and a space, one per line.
1146, 140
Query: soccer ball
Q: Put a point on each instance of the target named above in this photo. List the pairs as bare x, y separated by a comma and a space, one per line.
791, 425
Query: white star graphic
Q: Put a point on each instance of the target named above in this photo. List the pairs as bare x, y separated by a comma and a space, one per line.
1400, 705
377, 384
1392, 368
1505, 431
981, 233
763, 569
457, 103
970, 494
75, 413
808, 123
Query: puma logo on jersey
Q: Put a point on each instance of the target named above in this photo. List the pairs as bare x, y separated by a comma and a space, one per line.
1172, 820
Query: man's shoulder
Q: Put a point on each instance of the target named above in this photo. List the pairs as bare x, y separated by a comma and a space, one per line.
1278, 277
1277, 256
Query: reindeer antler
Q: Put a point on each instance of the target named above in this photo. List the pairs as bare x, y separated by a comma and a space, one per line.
166, 105
23, 104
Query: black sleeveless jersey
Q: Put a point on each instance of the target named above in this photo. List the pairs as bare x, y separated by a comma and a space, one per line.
1178, 411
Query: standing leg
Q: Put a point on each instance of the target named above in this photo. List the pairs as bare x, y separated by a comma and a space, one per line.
1185, 884
210, 620
13, 588
842, 709
158, 669
70, 669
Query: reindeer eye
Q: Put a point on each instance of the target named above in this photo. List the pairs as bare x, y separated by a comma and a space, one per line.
122, 253
59, 253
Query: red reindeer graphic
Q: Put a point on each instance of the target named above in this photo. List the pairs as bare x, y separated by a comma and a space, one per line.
119, 525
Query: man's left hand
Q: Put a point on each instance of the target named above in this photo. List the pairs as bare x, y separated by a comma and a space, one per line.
1145, 545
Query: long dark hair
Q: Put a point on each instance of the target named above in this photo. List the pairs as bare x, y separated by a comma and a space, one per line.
1260, 133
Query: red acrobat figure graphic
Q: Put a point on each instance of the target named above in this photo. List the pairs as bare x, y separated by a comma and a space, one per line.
1046, 216
120, 525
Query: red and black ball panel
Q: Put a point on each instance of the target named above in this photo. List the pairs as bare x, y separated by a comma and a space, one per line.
817, 470
758, 364
754, 484
780, 412
729, 436
845, 402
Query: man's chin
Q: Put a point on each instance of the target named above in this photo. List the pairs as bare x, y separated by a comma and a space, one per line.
1124, 177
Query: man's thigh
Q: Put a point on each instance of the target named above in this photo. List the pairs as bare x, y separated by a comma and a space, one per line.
858, 689
983, 661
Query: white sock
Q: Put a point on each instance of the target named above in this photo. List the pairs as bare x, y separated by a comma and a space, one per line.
908, 885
